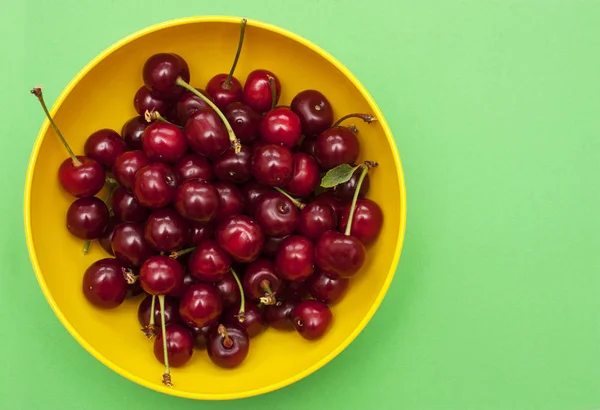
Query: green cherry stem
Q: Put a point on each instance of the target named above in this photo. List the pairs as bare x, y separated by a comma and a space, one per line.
167, 374
227, 342
269, 298
297, 203
112, 186
227, 83
242, 312
363, 173
368, 118
177, 254
273, 92
150, 116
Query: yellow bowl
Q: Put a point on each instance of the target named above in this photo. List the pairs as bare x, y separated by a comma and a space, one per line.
101, 96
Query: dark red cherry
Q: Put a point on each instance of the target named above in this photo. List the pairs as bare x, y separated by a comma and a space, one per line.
228, 346
201, 334
366, 223
254, 321
201, 305
260, 282
127, 165
81, 180
155, 185
200, 231
160, 73
180, 345
257, 90
232, 167
294, 260
132, 132
209, 262
161, 275
311, 319
188, 104
296, 290
188, 279
306, 175
104, 146
197, 200
272, 245
224, 94
106, 238
327, 198
241, 237
231, 201
345, 191
129, 244
87, 218
276, 214
280, 126
166, 231
251, 192
256, 145
104, 285
126, 208
193, 166
314, 111
316, 218
308, 146
278, 316
326, 288
244, 121
273, 165
229, 290
164, 142
339, 254
336, 146
144, 101
206, 134
171, 311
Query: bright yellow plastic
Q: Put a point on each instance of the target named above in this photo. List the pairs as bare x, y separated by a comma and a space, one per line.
101, 96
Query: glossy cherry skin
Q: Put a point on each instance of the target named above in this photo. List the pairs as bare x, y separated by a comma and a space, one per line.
104, 285
281, 126
254, 321
155, 185
132, 132
273, 165
188, 104
164, 142
308, 146
339, 254
278, 316
241, 237
272, 245
366, 222
201, 334
251, 192
345, 191
188, 279
206, 134
127, 165
228, 352
126, 208
209, 262
161, 275
229, 290
160, 73
276, 214
260, 281
104, 146
336, 146
87, 218
199, 232
243, 120
193, 166
166, 230
311, 319
171, 311
180, 345
197, 200
306, 175
327, 198
201, 305
106, 238
144, 101
313, 110
315, 219
84, 180
294, 260
326, 288
257, 90
232, 167
129, 244
231, 201
223, 94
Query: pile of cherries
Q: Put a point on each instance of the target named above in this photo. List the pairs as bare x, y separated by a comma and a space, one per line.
230, 213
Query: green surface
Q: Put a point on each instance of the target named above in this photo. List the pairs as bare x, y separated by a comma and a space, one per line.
495, 106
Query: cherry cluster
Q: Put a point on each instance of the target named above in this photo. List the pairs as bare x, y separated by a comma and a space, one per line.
230, 213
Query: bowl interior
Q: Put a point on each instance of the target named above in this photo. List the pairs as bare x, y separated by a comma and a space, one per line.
102, 98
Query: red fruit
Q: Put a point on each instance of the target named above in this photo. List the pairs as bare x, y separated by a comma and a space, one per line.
208, 262
180, 345
366, 222
294, 260
326, 288
104, 146
257, 90
241, 237
305, 178
164, 142
339, 254
280, 126
311, 319
197, 200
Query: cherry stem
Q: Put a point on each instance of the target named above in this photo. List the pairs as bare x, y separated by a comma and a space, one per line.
227, 83
86, 247
298, 204
269, 298
150, 116
149, 330
112, 185
129, 276
167, 374
365, 168
227, 342
242, 312
37, 91
177, 254
273, 92
368, 118
235, 143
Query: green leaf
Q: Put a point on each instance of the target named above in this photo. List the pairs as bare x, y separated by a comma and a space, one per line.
338, 175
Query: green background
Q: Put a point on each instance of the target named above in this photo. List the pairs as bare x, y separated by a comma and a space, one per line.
495, 106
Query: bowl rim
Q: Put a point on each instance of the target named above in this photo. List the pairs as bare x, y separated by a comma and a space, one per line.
29, 181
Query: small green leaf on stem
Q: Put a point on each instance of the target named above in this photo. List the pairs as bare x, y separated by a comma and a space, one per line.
338, 175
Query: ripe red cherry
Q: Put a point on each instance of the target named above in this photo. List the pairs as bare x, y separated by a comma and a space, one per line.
160, 73
81, 180
193, 166
281, 126
257, 90
129, 244
241, 237
103, 283
127, 165
231, 201
327, 198
200, 231
314, 111
166, 230
180, 345
336, 146
223, 93
366, 222
278, 316
171, 311
244, 121
209, 262
326, 288
228, 346
197, 200
339, 254
188, 104
345, 191
261, 283
132, 132
104, 146
206, 134
87, 218
229, 290
276, 214
305, 177
273, 165
308, 146
164, 142
272, 245
254, 321
232, 167
201, 305
294, 260
251, 192
155, 185
311, 319
144, 101
315, 219
161, 275
126, 208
